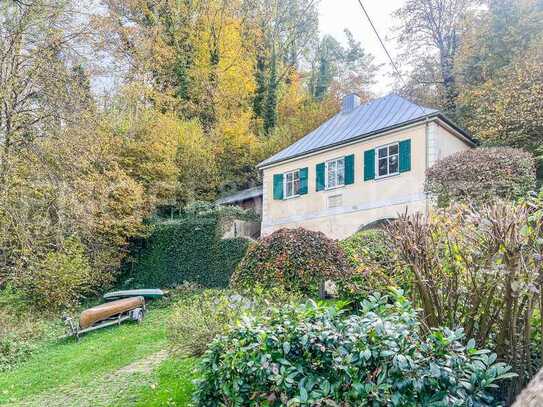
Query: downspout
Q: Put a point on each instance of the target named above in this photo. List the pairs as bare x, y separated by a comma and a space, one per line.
427, 160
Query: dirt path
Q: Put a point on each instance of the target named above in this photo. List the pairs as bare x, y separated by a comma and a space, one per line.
102, 391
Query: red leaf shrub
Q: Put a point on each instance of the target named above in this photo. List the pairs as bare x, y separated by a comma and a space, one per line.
481, 174
294, 259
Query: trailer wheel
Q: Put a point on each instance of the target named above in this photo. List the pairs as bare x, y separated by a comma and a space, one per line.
137, 315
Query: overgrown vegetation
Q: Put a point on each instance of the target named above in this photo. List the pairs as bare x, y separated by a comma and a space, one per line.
201, 315
479, 269
189, 249
296, 260
318, 355
480, 175
374, 266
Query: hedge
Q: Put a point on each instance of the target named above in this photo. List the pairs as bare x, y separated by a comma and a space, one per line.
297, 260
187, 249
480, 175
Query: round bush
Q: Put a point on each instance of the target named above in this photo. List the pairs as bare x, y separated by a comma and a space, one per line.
294, 259
316, 356
481, 174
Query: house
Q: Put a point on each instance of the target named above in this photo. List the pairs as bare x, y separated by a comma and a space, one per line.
365, 164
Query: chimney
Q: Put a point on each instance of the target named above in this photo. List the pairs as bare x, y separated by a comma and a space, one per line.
350, 102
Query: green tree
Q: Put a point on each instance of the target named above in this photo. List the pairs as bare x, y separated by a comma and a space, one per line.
508, 110
270, 114
340, 70
260, 92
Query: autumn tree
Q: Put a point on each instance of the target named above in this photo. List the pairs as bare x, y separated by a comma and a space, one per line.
499, 66
431, 31
508, 110
36, 42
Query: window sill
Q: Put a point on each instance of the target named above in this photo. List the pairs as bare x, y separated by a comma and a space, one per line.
336, 187
382, 177
291, 197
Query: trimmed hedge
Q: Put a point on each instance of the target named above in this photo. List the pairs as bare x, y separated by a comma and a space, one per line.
480, 175
296, 260
187, 249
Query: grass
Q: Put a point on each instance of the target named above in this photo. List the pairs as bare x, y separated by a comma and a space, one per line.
172, 387
79, 367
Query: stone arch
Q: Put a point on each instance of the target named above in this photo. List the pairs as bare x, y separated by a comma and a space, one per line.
376, 224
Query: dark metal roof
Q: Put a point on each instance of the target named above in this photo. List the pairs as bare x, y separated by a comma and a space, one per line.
371, 118
241, 196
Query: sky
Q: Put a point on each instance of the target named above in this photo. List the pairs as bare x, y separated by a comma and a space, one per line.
336, 15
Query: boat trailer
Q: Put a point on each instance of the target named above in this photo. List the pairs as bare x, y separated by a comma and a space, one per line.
102, 316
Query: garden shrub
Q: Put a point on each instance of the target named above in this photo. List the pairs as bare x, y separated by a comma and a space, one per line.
480, 269
295, 259
201, 315
314, 355
368, 249
61, 279
20, 329
482, 174
186, 249
370, 254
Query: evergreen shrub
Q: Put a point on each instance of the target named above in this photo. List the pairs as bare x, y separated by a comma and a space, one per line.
313, 355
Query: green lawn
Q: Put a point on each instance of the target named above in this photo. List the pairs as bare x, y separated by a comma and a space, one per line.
106, 366
172, 386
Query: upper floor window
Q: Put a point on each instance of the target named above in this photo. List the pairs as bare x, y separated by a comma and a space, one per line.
335, 173
292, 184
387, 160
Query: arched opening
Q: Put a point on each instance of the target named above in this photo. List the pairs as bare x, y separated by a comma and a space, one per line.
376, 224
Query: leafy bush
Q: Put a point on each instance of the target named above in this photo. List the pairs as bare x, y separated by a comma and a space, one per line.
20, 329
479, 175
295, 259
311, 355
368, 249
480, 269
61, 278
202, 315
372, 258
186, 249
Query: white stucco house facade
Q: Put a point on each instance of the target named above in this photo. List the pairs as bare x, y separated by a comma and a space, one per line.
365, 164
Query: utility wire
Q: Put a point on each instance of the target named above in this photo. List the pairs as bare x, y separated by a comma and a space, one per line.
386, 50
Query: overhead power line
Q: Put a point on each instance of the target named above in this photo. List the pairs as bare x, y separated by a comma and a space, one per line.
385, 48
381, 41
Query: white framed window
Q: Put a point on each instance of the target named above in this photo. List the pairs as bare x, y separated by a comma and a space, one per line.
387, 162
292, 184
335, 173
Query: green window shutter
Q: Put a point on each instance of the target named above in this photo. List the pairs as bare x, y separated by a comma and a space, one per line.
349, 169
369, 165
303, 181
320, 176
405, 155
278, 186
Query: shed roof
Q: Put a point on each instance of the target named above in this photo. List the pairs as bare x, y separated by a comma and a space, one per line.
240, 196
376, 116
